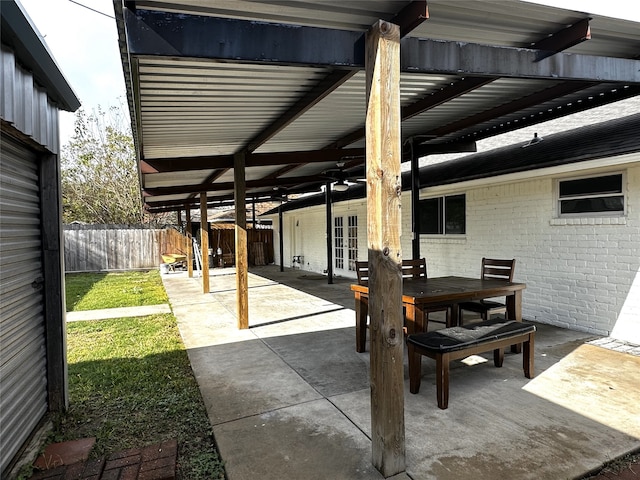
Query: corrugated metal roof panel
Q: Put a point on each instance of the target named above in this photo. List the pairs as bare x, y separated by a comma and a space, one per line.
185, 106
227, 96
194, 177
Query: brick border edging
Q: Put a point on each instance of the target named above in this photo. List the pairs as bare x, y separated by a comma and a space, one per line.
154, 462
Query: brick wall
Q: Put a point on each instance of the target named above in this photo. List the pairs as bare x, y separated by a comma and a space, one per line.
579, 273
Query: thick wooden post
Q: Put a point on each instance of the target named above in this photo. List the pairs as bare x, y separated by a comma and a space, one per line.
385, 256
242, 263
204, 242
187, 215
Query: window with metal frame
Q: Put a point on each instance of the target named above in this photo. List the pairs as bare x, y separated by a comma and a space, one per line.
444, 215
338, 238
600, 195
352, 241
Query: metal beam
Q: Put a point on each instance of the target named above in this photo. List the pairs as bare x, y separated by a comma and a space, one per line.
564, 39
517, 105
464, 85
311, 98
411, 17
167, 34
462, 58
508, 123
180, 164
182, 35
440, 148
260, 183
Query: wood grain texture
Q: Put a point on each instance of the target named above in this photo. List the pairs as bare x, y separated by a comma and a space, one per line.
242, 257
204, 242
187, 214
383, 146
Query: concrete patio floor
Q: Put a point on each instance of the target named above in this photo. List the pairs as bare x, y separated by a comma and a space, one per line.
289, 397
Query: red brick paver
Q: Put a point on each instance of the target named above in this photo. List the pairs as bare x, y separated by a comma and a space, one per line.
155, 462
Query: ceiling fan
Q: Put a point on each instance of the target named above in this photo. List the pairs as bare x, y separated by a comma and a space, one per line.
342, 178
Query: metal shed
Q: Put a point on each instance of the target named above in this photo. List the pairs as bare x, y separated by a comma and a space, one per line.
32, 324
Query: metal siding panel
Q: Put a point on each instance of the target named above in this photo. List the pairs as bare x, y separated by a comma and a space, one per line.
23, 374
7, 85
25, 105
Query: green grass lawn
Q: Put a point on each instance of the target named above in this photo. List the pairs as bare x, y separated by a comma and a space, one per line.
130, 380
91, 291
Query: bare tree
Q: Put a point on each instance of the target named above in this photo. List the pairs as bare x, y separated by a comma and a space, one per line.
98, 169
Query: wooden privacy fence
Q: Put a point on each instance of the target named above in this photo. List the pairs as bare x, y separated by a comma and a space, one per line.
259, 243
91, 248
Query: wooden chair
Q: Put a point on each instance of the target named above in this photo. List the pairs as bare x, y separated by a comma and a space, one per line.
362, 270
410, 269
491, 269
418, 268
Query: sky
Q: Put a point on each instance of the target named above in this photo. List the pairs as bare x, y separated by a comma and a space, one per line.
84, 44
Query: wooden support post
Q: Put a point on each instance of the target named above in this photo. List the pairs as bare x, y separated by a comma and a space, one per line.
329, 242
204, 242
382, 64
187, 214
242, 263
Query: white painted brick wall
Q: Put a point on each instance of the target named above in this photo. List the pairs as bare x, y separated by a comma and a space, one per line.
580, 273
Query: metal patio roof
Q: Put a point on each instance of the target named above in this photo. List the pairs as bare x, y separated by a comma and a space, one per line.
284, 83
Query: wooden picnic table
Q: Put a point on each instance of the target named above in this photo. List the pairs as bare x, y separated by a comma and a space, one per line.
417, 294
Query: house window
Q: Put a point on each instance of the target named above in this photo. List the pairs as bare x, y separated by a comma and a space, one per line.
352, 241
588, 196
338, 237
443, 215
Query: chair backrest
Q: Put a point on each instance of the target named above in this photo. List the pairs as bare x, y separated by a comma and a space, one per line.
414, 268
362, 269
498, 269
410, 269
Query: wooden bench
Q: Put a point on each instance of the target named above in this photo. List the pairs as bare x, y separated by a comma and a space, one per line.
453, 343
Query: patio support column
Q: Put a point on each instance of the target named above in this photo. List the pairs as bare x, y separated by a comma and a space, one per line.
242, 264
280, 234
187, 215
254, 212
204, 242
384, 190
415, 202
329, 242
